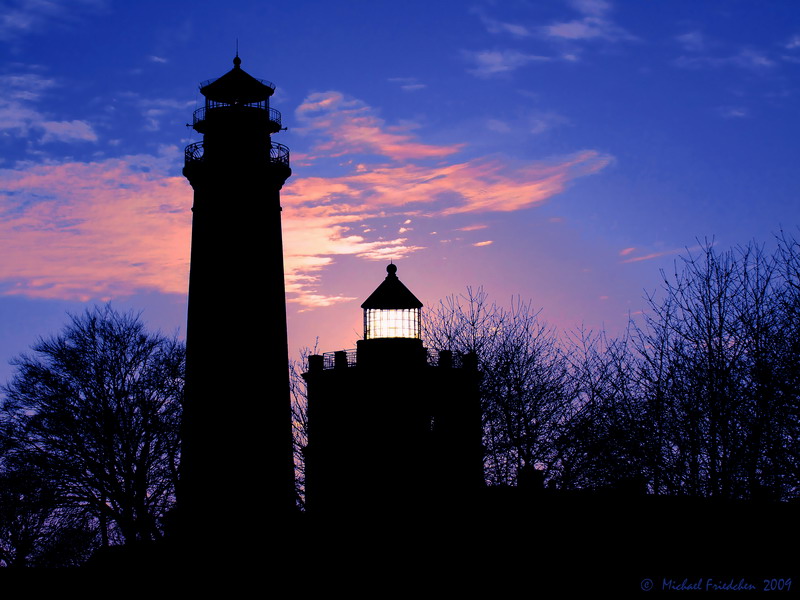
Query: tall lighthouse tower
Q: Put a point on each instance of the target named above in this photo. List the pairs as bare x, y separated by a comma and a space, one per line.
237, 473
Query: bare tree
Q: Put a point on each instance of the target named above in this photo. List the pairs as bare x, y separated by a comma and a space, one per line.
699, 397
718, 357
299, 395
524, 385
602, 439
96, 410
36, 529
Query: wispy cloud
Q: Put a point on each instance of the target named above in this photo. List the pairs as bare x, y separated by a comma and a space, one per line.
25, 86
23, 17
472, 186
321, 211
733, 112
114, 227
500, 27
534, 123
541, 121
408, 84
19, 115
496, 62
93, 230
747, 58
348, 126
650, 256
692, 41
314, 235
594, 25
155, 110
486, 243
653, 255
67, 131
591, 8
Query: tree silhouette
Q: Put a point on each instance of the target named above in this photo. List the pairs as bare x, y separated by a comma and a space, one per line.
299, 396
95, 410
36, 529
718, 368
700, 397
524, 386
602, 441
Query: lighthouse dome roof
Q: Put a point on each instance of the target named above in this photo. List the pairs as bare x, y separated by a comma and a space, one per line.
391, 293
237, 87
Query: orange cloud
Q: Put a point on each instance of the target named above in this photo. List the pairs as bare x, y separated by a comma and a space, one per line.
486, 243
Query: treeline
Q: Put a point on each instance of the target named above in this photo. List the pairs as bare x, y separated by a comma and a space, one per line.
699, 397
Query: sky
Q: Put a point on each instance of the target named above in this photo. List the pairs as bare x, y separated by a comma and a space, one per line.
560, 151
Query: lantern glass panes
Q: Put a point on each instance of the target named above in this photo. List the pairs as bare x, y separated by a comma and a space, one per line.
391, 323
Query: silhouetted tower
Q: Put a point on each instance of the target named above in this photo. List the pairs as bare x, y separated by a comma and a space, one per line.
393, 428
237, 473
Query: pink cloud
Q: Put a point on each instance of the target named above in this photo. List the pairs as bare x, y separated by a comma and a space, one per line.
486, 243
351, 126
94, 230
112, 228
479, 185
626, 251
658, 254
649, 256
119, 226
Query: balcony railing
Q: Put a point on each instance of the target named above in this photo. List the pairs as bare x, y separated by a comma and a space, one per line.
193, 153
434, 359
278, 154
349, 358
200, 114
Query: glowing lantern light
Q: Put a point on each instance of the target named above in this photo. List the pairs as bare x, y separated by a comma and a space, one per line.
392, 311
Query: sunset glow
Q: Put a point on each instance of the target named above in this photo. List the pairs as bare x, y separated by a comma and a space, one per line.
565, 152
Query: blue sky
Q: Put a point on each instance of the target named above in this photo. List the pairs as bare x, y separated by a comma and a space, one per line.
560, 150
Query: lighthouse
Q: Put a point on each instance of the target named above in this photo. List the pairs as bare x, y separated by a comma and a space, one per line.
394, 428
237, 475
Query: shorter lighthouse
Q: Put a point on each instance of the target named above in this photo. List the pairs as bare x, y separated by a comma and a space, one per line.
394, 429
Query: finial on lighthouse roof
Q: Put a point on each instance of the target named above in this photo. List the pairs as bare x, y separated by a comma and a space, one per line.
237, 61
392, 294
